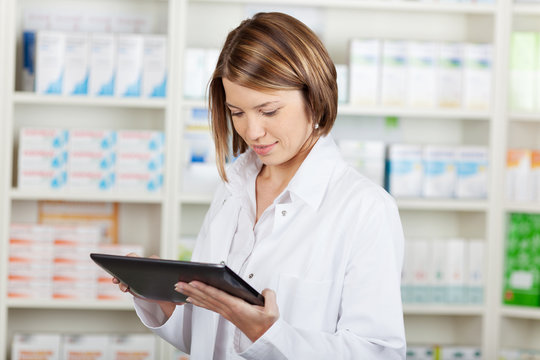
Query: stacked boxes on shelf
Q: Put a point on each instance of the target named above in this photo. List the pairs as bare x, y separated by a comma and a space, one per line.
91, 160
415, 74
438, 352
52, 261
519, 354
96, 64
443, 271
522, 263
523, 175
53, 346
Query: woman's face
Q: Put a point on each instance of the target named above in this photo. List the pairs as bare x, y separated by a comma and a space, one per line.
276, 125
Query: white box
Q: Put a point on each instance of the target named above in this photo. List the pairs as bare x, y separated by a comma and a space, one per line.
87, 347
194, 73
154, 81
477, 76
394, 73
368, 157
43, 158
518, 175
92, 159
439, 171
50, 46
404, 170
460, 352
36, 346
421, 254
450, 75
416, 352
535, 174
455, 270
475, 271
140, 140
129, 65
437, 273
76, 68
126, 346
342, 83
472, 172
364, 69
102, 64
422, 74
523, 71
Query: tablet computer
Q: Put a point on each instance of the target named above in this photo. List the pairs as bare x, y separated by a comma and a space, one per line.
155, 278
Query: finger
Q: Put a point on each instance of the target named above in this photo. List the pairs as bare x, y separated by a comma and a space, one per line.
132, 254
154, 257
206, 296
270, 301
115, 280
123, 287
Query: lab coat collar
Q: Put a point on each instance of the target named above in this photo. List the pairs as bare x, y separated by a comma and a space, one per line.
310, 181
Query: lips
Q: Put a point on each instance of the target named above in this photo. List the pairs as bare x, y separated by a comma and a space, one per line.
263, 149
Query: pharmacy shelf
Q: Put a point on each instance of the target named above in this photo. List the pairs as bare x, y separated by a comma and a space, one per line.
196, 199
28, 98
397, 6
531, 208
69, 304
521, 312
66, 195
456, 114
357, 110
526, 9
443, 309
524, 116
442, 205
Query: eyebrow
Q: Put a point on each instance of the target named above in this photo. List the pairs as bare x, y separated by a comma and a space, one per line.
256, 106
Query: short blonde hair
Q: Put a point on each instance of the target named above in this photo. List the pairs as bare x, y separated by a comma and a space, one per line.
271, 51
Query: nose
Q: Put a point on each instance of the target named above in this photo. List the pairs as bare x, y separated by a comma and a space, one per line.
255, 128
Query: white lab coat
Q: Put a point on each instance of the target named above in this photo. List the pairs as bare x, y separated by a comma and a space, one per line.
334, 259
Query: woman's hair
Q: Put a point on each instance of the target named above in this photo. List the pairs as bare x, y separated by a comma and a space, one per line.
269, 52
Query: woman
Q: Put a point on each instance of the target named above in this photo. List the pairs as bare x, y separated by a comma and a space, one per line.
291, 216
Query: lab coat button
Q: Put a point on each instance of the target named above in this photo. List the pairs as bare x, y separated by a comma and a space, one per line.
222, 262
250, 276
283, 213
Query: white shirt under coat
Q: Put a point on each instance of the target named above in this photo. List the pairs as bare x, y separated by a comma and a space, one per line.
330, 246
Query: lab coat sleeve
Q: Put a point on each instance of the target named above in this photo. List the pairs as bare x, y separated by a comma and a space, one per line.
370, 324
176, 330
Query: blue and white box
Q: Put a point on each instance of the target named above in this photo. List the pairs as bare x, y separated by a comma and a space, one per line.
422, 74
439, 171
129, 65
29, 60
477, 76
455, 271
76, 70
43, 158
394, 73
50, 46
364, 70
92, 160
102, 64
141, 159
342, 71
154, 80
472, 172
404, 170
450, 75
475, 271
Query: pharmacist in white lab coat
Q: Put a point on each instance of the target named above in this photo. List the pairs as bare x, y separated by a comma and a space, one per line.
322, 243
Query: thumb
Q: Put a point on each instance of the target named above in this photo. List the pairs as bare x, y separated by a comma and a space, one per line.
270, 301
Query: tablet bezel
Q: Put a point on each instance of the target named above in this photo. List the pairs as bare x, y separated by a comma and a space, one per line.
165, 273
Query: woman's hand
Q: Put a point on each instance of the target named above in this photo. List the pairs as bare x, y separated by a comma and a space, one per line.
166, 307
252, 320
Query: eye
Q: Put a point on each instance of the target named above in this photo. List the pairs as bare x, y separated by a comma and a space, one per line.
270, 113
236, 114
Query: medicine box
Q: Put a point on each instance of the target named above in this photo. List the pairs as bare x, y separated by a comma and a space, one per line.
394, 73
154, 80
518, 175
450, 75
36, 346
477, 76
472, 164
439, 179
86, 347
523, 62
475, 271
43, 158
422, 74
535, 174
28, 73
421, 287
129, 65
438, 272
102, 64
368, 157
76, 60
143, 347
342, 79
364, 71
455, 270
50, 46
404, 170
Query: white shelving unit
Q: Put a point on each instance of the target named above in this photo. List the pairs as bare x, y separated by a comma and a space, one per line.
158, 220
